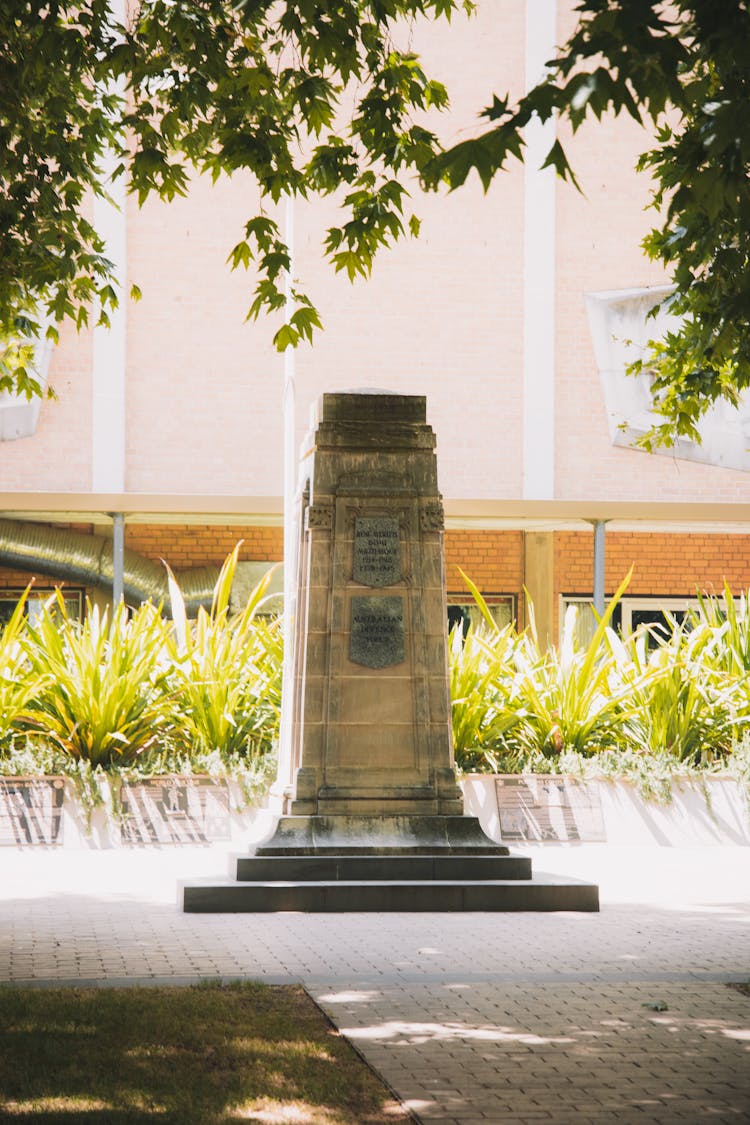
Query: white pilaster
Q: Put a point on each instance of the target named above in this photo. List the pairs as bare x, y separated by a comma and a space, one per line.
109, 344
539, 270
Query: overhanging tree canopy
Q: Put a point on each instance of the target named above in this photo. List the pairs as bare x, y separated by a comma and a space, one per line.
683, 68
207, 85
258, 86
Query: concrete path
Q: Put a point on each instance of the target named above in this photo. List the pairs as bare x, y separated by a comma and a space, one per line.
623, 1016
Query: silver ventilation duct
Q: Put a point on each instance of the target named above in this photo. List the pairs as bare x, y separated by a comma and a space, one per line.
88, 560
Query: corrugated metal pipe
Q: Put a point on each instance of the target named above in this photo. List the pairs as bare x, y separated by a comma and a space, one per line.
88, 560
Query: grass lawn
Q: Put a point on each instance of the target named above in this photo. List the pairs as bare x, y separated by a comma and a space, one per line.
193, 1056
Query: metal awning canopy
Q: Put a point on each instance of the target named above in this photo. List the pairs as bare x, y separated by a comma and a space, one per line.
498, 515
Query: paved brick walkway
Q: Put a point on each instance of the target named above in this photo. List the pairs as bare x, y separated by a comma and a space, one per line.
625, 1016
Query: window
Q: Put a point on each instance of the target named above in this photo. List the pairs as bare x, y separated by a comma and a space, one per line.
464, 610
620, 328
630, 614
37, 597
653, 612
19, 415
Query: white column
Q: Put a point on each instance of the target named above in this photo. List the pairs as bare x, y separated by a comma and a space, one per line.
109, 344
290, 532
539, 270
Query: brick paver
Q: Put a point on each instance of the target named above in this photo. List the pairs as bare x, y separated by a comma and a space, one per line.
621, 1016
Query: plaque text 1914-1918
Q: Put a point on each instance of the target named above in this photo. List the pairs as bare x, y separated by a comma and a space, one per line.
377, 551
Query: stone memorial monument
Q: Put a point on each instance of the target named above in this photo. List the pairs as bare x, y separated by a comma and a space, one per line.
370, 812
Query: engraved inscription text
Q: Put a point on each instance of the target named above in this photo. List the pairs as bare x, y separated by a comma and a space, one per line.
377, 632
377, 551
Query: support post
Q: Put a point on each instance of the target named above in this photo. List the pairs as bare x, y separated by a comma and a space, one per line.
599, 526
118, 558
538, 579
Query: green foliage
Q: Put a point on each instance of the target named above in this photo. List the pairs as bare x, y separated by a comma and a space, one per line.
306, 97
683, 69
143, 695
106, 694
135, 691
18, 684
633, 705
731, 627
481, 692
226, 672
682, 706
572, 700
514, 702
57, 117
320, 98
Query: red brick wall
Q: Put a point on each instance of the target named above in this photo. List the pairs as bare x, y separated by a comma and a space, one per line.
493, 560
676, 564
185, 546
664, 564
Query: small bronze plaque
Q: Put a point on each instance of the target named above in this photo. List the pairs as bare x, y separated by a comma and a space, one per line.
31, 810
377, 551
377, 632
549, 809
172, 810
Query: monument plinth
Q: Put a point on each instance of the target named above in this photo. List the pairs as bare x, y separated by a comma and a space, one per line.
370, 732
371, 815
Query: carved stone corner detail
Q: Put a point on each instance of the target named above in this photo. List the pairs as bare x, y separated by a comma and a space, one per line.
319, 517
432, 517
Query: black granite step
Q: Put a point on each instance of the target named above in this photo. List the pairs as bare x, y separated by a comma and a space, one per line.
363, 868
542, 893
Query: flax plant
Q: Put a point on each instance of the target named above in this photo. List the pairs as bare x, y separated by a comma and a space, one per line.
19, 684
481, 690
574, 698
105, 698
730, 623
515, 704
683, 704
227, 671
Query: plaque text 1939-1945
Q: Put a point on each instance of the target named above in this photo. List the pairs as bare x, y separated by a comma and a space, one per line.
377, 551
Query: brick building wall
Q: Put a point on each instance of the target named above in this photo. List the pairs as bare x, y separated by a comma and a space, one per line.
194, 545
673, 564
444, 316
665, 565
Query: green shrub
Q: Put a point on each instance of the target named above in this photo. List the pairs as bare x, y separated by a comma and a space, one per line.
226, 672
105, 695
519, 704
484, 710
19, 684
682, 702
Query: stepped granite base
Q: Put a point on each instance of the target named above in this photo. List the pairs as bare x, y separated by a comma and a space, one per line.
383, 864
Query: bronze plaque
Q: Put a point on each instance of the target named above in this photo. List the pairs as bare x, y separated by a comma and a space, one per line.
377, 632
174, 810
377, 551
31, 810
552, 809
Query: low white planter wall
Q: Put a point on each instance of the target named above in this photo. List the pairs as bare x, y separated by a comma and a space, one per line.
168, 811
552, 808
512, 808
